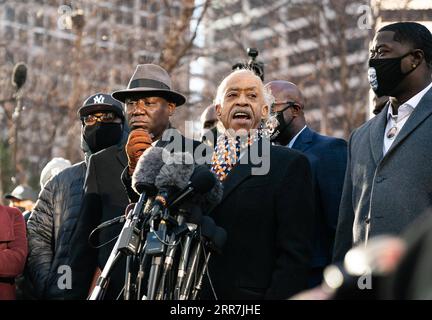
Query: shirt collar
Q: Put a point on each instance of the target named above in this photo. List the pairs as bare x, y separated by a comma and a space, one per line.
410, 105
293, 140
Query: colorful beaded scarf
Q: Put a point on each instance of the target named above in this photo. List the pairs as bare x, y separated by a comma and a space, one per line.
227, 152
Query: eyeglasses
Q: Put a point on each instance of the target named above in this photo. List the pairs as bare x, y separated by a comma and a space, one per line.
106, 117
288, 104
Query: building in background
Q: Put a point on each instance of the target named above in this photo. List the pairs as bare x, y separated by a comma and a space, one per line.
73, 49
323, 46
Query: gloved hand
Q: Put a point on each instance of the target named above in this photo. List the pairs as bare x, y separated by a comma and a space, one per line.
138, 141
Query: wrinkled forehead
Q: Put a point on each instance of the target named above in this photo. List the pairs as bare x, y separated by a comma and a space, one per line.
243, 80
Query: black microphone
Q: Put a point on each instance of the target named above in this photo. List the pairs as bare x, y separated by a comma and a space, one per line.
201, 182
215, 236
218, 240
207, 200
143, 180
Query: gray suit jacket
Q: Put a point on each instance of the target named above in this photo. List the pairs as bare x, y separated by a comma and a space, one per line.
382, 195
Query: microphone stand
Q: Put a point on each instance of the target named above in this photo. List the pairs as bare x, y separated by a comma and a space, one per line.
126, 243
175, 236
156, 248
184, 293
130, 262
181, 272
197, 287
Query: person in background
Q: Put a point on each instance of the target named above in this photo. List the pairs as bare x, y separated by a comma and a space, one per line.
327, 157
13, 250
209, 126
57, 210
22, 197
388, 180
52, 168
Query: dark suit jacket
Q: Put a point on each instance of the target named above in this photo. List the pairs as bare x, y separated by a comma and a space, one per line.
269, 220
328, 157
385, 194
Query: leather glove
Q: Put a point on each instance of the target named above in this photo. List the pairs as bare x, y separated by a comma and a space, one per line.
138, 141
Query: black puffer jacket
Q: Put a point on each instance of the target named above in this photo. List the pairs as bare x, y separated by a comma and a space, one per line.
50, 227
56, 210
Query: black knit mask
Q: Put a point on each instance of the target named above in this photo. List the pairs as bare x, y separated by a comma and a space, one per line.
102, 135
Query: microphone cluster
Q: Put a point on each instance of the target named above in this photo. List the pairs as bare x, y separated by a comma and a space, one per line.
166, 238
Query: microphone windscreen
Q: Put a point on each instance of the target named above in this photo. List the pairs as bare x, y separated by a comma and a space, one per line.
202, 179
208, 227
219, 239
193, 212
176, 171
148, 167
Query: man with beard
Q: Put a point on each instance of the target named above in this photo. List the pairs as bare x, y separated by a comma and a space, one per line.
267, 211
327, 157
387, 183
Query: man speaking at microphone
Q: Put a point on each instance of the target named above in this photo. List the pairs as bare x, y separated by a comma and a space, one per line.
149, 103
268, 215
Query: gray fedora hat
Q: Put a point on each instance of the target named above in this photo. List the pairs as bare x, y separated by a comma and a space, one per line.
150, 80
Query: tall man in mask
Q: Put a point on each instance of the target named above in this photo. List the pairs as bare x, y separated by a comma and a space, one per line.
57, 210
388, 179
327, 156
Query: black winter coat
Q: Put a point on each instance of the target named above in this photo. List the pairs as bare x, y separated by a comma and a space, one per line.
49, 231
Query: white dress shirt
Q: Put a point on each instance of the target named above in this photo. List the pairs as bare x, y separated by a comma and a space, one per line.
404, 113
293, 140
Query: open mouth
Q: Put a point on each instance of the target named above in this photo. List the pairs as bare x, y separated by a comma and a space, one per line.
241, 115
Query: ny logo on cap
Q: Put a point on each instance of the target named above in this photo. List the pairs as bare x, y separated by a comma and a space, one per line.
98, 99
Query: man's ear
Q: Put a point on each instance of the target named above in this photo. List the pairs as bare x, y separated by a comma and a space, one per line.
296, 110
264, 112
418, 57
171, 108
218, 109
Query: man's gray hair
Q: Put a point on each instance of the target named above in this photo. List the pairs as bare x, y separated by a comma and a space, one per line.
268, 97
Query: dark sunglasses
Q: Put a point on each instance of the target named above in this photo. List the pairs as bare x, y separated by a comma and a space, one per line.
106, 117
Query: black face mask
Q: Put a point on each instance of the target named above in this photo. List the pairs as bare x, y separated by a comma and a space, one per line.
385, 74
102, 135
282, 126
